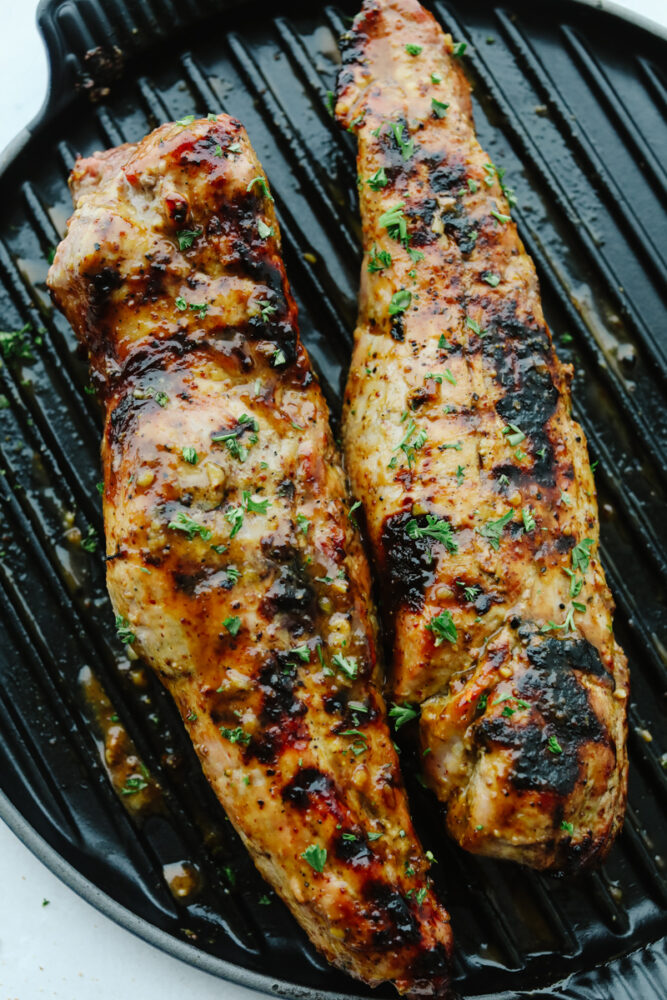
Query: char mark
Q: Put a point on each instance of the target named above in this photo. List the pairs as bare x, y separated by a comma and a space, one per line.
408, 561
290, 592
429, 973
307, 786
546, 756
352, 849
397, 927
461, 228
282, 712
278, 681
522, 356
447, 176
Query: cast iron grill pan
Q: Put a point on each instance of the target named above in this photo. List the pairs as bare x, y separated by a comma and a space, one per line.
572, 101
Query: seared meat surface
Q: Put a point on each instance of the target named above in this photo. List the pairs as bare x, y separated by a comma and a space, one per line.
234, 566
475, 479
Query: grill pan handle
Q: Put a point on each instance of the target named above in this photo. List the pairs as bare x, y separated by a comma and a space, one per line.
90, 43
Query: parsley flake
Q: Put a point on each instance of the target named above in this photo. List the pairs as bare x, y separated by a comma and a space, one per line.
316, 857
378, 260
439, 108
436, 528
400, 301
232, 624
186, 237
395, 223
183, 522
262, 185
443, 627
401, 714
378, 180
124, 631
236, 735
492, 530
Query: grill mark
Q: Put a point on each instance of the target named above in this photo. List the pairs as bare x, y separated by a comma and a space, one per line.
552, 688
390, 909
307, 785
461, 228
522, 356
291, 592
408, 561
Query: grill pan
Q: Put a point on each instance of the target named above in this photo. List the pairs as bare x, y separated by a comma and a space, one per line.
571, 99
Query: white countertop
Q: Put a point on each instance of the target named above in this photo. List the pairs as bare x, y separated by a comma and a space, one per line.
66, 950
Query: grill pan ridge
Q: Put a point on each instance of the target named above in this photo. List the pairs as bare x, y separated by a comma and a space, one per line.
572, 101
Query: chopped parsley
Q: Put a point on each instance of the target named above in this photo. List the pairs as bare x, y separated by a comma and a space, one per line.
490, 278
460, 474
262, 185
266, 309
237, 735
378, 260
567, 827
409, 445
514, 435
436, 78
406, 146
459, 48
347, 664
124, 631
412, 49
528, 519
254, 506
89, 543
473, 186
499, 217
350, 514
278, 358
402, 714
443, 627
186, 237
133, 784
378, 180
475, 327
264, 230
400, 301
180, 303
436, 528
439, 108
188, 120
581, 555
303, 652
232, 624
554, 745
183, 522
234, 517
14, 345
316, 857
302, 523
394, 222
450, 378
492, 530
189, 455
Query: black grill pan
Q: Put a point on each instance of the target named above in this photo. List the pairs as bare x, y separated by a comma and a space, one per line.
572, 100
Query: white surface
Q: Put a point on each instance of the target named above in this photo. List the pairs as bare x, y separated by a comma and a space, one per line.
67, 950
